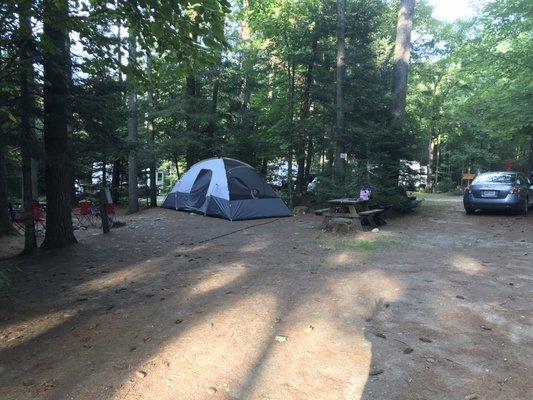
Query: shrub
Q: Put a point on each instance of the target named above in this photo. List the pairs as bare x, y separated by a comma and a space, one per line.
444, 186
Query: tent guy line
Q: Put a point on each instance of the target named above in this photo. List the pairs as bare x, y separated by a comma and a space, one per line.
232, 232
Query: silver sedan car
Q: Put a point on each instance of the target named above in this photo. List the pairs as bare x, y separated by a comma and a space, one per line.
499, 191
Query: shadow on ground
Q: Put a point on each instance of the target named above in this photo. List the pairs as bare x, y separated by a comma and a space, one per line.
439, 306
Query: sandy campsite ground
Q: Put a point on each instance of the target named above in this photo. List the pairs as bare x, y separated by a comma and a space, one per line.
437, 305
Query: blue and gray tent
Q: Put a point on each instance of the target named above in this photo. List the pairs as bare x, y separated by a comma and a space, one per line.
226, 188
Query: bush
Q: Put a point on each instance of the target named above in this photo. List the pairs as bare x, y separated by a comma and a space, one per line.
445, 186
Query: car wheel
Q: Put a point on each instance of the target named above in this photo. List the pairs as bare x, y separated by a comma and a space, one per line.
469, 210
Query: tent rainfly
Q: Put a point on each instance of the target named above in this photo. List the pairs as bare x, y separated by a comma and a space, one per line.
226, 188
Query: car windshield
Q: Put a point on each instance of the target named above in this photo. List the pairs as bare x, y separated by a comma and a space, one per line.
495, 178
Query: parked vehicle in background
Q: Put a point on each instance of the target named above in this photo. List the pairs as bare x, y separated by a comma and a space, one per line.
313, 185
413, 175
499, 191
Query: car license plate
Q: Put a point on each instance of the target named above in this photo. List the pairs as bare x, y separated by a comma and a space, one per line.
488, 193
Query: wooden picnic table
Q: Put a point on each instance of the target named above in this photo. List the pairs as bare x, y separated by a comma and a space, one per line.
355, 208
350, 205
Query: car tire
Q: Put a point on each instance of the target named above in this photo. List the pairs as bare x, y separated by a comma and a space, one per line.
470, 210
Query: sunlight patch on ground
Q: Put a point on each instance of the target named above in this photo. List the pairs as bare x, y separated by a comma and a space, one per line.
338, 259
218, 353
121, 277
363, 242
230, 273
367, 288
467, 265
256, 246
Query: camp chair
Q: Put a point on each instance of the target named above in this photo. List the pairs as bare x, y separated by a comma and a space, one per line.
17, 220
110, 209
85, 213
39, 219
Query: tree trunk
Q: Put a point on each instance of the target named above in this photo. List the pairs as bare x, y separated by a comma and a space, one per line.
309, 159
117, 164
34, 179
290, 72
211, 127
27, 117
402, 54
133, 200
5, 223
192, 131
305, 111
151, 132
431, 160
104, 171
245, 38
264, 166
177, 165
529, 166
70, 125
115, 179
59, 230
341, 66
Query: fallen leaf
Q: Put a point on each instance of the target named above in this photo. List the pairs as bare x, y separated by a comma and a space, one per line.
44, 387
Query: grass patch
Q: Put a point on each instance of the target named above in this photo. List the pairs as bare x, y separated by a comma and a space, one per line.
347, 243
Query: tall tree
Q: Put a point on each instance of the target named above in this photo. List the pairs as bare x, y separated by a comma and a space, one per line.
192, 134
133, 200
402, 55
5, 224
339, 96
304, 163
27, 120
59, 229
150, 125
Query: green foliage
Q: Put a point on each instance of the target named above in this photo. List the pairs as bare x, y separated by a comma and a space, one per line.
444, 186
218, 94
471, 91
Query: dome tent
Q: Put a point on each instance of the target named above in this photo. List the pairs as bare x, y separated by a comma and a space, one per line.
226, 188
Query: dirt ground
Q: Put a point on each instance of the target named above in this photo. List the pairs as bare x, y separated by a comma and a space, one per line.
436, 305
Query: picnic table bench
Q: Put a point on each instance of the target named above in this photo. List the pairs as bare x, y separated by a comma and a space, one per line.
355, 209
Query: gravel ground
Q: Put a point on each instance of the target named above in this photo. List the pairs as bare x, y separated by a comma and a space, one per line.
436, 305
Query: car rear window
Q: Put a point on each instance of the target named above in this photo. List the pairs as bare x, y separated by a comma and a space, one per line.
495, 178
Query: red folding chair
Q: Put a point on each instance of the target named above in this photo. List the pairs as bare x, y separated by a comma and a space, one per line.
85, 213
110, 210
39, 219
17, 220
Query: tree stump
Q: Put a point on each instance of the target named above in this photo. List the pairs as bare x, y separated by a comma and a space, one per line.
339, 225
301, 210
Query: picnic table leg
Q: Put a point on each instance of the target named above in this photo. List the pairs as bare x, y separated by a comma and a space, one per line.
380, 221
352, 210
370, 220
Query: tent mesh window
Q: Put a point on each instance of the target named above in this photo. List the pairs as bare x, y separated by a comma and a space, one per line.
200, 187
244, 183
